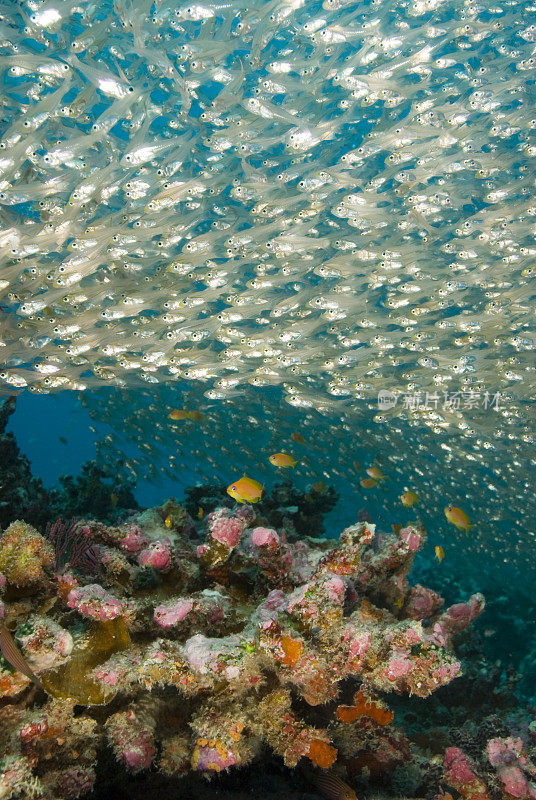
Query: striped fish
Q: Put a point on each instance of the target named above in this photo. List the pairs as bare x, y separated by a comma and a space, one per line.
334, 788
13, 655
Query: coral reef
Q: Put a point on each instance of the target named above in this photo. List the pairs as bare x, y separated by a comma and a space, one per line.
195, 655
301, 513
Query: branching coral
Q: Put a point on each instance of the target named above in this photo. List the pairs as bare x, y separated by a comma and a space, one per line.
242, 641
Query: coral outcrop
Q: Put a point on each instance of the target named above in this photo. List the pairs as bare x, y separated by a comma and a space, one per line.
199, 653
300, 512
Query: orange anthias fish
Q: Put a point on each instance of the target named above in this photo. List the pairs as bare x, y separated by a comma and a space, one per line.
200, 513
409, 498
282, 460
375, 473
245, 490
368, 483
439, 553
334, 788
13, 655
179, 414
297, 437
458, 518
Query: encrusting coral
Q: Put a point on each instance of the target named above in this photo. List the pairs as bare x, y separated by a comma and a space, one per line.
206, 651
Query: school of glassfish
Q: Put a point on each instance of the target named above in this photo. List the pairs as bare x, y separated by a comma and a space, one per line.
314, 200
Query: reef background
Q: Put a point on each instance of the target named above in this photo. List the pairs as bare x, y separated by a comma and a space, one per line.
493, 698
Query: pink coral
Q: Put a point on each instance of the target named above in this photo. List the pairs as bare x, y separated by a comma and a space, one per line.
134, 541
132, 739
265, 537
157, 555
506, 755
335, 588
410, 538
227, 531
95, 602
398, 667
422, 602
168, 614
459, 616
458, 771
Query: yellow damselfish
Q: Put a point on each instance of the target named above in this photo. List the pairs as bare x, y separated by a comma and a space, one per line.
458, 517
439, 553
282, 460
245, 490
375, 473
409, 499
179, 414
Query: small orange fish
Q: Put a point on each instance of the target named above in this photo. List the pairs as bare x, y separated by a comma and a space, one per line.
439, 553
282, 460
409, 499
375, 473
319, 487
357, 466
245, 490
334, 788
458, 518
297, 437
200, 513
180, 414
114, 498
368, 483
168, 522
